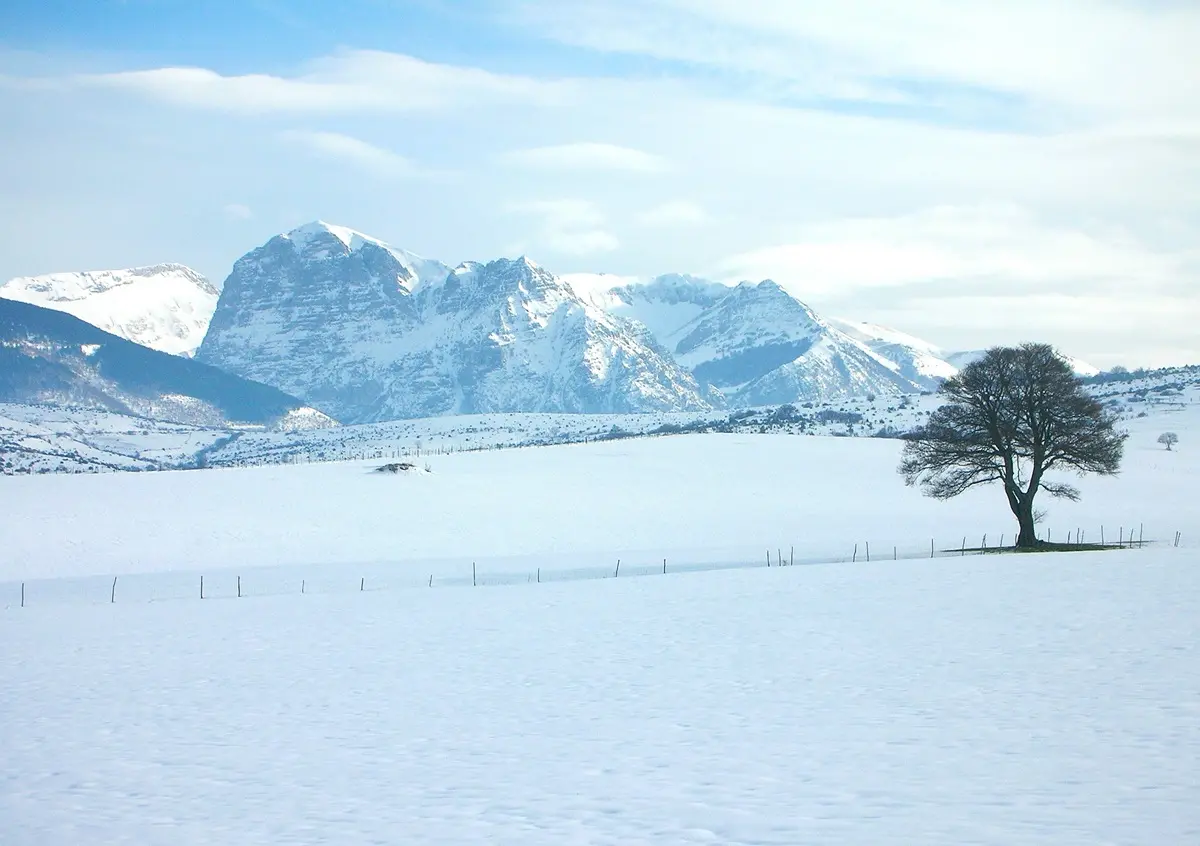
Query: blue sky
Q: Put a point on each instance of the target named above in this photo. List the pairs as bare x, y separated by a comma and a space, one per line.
969, 171
252, 35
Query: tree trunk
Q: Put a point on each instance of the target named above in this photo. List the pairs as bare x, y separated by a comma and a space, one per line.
1027, 539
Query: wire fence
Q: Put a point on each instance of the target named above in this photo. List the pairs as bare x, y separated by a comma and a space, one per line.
302, 579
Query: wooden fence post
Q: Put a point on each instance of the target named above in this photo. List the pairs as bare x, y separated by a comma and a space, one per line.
239, 587
362, 584
964, 547
931, 547
22, 594
113, 597
868, 552
474, 581
202, 587
617, 572
855, 558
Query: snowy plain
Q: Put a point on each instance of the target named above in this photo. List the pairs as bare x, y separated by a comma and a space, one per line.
693, 499
995, 699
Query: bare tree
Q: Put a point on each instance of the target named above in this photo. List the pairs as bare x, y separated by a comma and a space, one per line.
1012, 417
1168, 439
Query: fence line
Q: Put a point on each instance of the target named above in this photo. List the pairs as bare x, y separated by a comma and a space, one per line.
278, 581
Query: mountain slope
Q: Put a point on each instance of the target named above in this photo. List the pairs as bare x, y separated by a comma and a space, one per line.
47, 356
663, 305
367, 332
917, 360
1081, 368
758, 344
165, 306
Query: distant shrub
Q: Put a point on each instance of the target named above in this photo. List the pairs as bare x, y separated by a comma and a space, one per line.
848, 418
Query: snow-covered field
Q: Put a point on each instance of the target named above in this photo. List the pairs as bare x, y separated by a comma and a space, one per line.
690, 498
988, 700
998, 699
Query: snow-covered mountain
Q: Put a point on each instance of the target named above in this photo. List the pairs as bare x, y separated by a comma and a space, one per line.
760, 345
918, 361
165, 306
367, 332
50, 357
962, 359
663, 305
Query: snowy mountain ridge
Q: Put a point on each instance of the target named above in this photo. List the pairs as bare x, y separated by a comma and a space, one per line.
166, 307
365, 333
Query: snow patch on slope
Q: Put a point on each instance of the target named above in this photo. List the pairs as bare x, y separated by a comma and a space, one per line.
166, 307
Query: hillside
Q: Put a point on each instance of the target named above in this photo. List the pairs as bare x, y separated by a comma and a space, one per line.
48, 356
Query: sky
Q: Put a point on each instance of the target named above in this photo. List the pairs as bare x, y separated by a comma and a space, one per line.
968, 171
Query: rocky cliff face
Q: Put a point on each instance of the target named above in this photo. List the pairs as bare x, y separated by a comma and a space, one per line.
366, 332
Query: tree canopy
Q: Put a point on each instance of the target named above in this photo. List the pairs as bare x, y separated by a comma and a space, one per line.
1011, 418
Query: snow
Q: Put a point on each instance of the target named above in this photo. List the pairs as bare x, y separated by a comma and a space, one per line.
425, 271
597, 287
925, 359
51, 439
165, 307
987, 701
693, 499
993, 700
1081, 368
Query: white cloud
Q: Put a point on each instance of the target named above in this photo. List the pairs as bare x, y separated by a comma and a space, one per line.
1121, 56
971, 277
580, 243
987, 244
353, 151
352, 81
568, 227
238, 211
925, 224
673, 213
587, 156
561, 213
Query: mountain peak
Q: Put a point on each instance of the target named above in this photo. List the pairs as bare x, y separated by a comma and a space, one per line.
310, 234
320, 240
